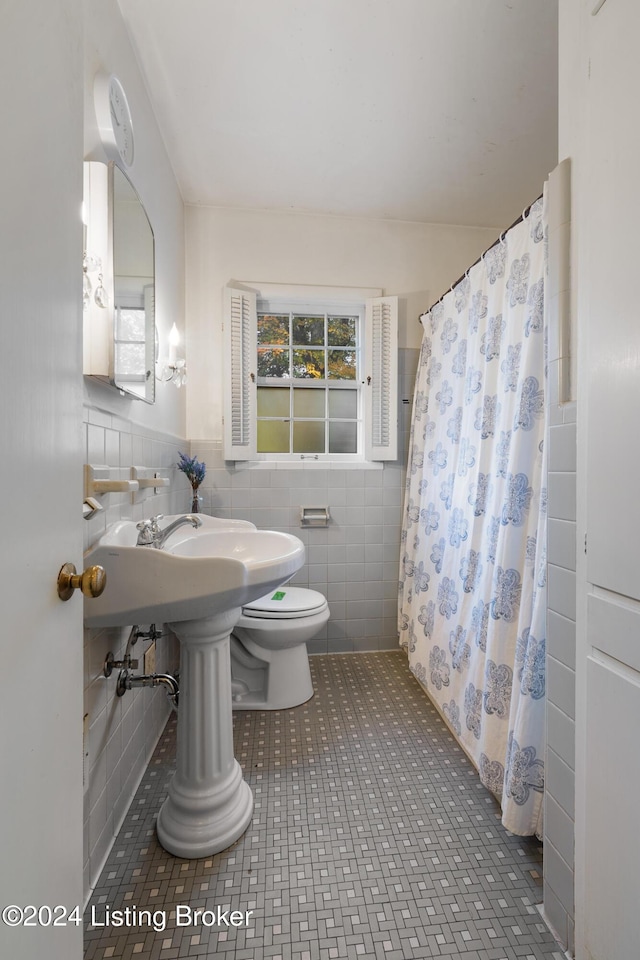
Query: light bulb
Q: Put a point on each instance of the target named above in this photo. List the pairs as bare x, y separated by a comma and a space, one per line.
174, 340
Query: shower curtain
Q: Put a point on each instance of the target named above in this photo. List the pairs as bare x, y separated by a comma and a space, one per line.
472, 591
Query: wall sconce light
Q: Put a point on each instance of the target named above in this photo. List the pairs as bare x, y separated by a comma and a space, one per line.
173, 370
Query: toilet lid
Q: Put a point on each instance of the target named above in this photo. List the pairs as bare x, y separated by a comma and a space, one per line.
285, 603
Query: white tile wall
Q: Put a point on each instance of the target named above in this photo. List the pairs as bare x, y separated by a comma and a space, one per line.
354, 561
561, 775
562, 494
561, 587
561, 688
561, 639
560, 759
562, 543
563, 886
561, 554
121, 732
560, 731
559, 829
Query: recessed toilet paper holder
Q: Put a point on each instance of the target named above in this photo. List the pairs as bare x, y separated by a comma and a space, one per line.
314, 516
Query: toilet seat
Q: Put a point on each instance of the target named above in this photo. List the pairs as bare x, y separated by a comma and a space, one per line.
286, 603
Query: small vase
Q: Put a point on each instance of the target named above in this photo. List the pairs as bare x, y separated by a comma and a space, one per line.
195, 502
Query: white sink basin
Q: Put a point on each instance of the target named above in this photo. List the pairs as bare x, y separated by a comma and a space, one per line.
199, 573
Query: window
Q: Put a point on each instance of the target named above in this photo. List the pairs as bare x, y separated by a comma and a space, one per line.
134, 349
308, 366
129, 343
310, 379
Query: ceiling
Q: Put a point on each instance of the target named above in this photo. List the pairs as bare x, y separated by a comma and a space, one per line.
441, 111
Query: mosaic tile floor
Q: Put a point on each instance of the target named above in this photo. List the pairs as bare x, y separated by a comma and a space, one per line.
371, 838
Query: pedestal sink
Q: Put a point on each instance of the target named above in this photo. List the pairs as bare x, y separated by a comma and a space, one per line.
197, 583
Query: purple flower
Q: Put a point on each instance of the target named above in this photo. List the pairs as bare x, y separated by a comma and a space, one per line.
193, 470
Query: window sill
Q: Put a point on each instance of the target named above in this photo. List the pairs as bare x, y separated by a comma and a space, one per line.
314, 465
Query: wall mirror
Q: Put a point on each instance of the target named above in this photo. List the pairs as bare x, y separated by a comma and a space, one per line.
134, 336
119, 284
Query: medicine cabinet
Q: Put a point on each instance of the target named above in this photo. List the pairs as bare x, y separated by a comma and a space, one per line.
119, 343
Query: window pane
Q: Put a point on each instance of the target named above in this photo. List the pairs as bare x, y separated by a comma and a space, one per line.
273, 401
308, 437
343, 404
308, 403
341, 331
343, 438
342, 364
130, 324
273, 363
308, 331
129, 360
273, 329
273, 436
308, 364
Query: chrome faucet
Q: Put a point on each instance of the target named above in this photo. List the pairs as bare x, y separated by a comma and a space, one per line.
151, 535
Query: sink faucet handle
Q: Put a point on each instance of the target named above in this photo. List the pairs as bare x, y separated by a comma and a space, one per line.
147, 532
155, 528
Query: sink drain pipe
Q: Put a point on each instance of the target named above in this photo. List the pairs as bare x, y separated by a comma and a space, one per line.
127, 682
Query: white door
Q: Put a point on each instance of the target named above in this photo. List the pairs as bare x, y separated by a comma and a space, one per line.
607, 834
41, 467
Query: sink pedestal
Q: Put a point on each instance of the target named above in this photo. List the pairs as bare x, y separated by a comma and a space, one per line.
209, 804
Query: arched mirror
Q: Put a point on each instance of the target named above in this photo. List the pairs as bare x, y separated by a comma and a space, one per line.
119, 284
134, 328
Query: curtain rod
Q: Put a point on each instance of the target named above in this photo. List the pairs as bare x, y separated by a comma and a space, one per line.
523, 215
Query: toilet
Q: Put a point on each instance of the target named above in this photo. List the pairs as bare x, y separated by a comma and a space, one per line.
269, 660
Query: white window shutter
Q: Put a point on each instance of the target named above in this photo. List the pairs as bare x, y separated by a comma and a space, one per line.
240, 362
381, 379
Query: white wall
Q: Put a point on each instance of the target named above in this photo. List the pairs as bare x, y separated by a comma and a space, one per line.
415, 261
120, 432
107, 48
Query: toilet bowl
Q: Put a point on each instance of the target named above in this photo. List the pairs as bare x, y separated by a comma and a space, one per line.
269, 660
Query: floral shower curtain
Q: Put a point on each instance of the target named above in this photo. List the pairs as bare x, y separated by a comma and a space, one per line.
472, 603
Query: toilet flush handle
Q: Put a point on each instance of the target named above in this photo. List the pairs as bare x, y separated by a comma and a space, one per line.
91, 581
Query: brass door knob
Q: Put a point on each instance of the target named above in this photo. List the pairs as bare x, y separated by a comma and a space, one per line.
91, 581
